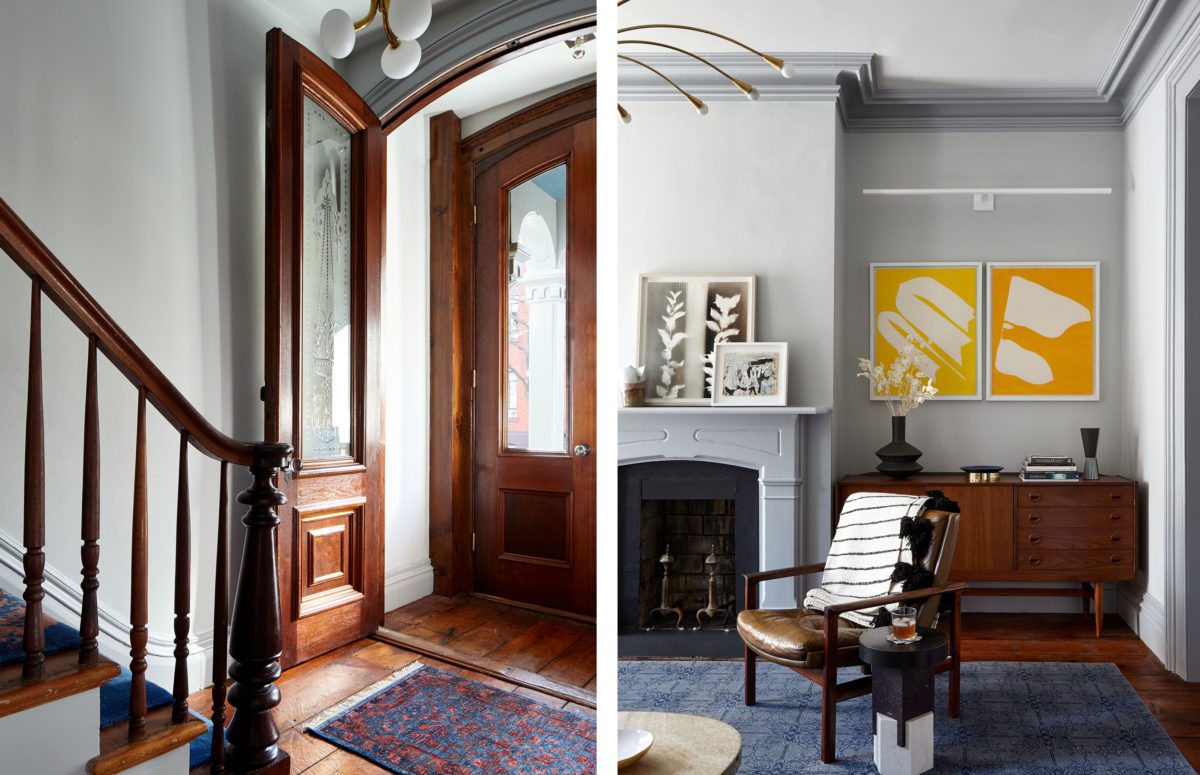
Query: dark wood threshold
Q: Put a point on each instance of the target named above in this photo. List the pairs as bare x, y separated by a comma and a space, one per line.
63, 677
541, 609
490, 667
117, 754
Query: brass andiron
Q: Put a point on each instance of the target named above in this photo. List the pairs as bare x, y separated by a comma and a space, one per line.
665, 606
712, 609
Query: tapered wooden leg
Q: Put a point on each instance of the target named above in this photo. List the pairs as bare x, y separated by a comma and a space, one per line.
1098, 588
829, 692
1085, 597
750, 657
955, 657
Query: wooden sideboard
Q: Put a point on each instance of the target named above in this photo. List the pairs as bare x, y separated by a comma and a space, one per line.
1032, 531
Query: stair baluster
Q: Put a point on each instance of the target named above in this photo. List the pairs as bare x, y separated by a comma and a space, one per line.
220, 628
183, 589
89, 553
139, 584
35, 499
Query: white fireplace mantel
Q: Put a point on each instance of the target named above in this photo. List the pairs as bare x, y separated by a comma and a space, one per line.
789, 446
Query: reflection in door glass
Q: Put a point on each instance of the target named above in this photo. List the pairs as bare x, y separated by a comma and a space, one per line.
325, 280
536, 387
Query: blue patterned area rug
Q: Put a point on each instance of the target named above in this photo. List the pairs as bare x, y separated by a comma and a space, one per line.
1055, 718
425, 721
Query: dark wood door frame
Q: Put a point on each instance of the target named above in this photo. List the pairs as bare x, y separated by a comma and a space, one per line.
481, 63
452, 166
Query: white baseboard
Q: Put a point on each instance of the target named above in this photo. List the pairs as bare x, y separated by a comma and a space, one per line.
1145, 616
64, 601
407, 583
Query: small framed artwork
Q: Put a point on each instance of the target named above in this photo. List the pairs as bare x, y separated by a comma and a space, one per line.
750, 374
681, 320
938, 306
1044, 331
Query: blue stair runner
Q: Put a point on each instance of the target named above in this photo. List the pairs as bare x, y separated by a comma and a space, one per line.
114, 695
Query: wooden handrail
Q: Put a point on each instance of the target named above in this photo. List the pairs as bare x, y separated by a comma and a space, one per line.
61, 287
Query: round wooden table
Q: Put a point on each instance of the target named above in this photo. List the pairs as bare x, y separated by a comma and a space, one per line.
684, 745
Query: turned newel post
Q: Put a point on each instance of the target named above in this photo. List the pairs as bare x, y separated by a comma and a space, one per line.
255, 640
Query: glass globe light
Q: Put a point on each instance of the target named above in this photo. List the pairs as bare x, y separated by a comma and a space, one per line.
410, 18
401, 61
786, 71
337, 33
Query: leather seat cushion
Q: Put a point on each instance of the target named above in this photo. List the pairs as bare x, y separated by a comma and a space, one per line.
795, 635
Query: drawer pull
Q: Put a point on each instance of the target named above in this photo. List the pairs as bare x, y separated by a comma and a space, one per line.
1115, 559
1116, 537
1035, 560
1035, 518
1034, 538
1115, 517
1035, 496
1115, 496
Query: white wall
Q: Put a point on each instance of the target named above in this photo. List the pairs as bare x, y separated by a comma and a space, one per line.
946, 228
1144, 383
132, 143
749, 188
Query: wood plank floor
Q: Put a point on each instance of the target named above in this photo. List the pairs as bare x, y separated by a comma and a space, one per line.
1072, 638
478, 627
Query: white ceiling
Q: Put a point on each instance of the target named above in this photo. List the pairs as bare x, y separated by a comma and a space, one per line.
920, 44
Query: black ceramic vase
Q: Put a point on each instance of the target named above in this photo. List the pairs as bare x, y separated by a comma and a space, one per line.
899, 458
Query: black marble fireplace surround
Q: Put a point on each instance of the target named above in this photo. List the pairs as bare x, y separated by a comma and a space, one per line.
679, 480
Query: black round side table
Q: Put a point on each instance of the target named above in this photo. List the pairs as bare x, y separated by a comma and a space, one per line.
902, 697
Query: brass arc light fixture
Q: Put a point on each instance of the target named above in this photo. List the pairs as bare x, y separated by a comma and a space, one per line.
402, 26
745, 88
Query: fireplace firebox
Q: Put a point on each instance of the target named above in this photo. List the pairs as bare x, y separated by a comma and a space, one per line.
697, 522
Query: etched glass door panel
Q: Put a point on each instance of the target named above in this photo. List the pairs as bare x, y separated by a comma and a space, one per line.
325, 345
535, 391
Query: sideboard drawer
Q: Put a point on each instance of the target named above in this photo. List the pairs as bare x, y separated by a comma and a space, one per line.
1075, 559
1054, 494
1055, 518
1080, 538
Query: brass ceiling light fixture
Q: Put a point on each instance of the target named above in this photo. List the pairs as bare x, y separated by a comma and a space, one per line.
402, 26
782, 67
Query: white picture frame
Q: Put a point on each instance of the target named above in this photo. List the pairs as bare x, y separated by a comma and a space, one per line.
732, 362
981, 349
696, 324
1097, 317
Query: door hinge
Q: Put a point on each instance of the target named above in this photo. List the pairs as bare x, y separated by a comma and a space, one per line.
474, 379
472, 542
474, 214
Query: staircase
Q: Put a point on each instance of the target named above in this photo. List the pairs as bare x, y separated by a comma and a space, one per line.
64, 707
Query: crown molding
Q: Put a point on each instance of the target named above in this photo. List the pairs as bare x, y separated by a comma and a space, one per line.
469, 31
1150, 39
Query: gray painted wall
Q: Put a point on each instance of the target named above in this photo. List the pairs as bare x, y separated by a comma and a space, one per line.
945, 228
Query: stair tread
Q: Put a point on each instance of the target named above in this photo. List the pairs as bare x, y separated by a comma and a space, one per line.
63, 676
118, 754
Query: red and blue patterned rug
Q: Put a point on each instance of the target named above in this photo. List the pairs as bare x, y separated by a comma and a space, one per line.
429, 722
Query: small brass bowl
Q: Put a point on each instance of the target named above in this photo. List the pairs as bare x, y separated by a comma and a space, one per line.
983, 474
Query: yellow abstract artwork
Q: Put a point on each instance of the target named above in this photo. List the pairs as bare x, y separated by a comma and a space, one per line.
937, 305
1042, 331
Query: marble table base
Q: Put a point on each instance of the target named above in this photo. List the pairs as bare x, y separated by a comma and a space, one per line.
915, 756
684, 745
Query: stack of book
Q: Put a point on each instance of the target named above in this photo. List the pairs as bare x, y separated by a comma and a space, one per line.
1041, 468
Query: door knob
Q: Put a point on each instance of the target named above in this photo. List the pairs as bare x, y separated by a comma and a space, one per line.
583, 450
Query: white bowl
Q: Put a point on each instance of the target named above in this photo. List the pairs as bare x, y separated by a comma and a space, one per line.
632, 744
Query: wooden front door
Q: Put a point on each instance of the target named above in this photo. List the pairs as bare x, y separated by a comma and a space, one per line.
535, 333
325, 178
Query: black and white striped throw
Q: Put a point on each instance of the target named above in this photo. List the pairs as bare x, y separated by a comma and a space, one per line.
864, 552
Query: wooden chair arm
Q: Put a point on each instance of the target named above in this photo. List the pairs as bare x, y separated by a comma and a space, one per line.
899, 597
783, 573
754, 579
